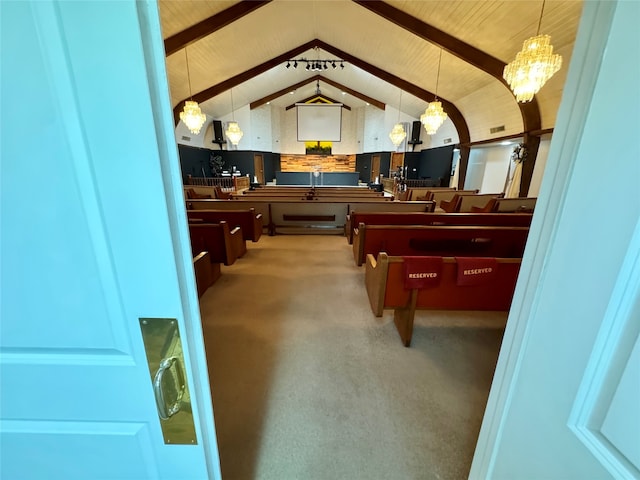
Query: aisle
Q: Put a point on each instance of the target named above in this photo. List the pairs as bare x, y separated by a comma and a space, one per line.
308, 384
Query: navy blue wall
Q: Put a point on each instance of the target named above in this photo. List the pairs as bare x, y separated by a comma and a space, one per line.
363, 165
435, 164
195, 161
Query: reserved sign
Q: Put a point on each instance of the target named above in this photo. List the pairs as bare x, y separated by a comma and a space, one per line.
422, 272
476, 270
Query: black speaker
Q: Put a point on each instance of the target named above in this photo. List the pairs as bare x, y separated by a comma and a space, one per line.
415, 132
217, 132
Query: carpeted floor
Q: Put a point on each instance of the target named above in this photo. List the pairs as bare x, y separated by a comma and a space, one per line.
308, 384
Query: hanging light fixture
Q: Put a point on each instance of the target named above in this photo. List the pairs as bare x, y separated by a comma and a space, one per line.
191, 115
434, 116
533, 66
398, 134
233, 132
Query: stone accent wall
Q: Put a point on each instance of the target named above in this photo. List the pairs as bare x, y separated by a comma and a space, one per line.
320, 163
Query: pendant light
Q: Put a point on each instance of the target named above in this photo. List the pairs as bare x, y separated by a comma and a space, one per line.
191, 115
398, 134
233, 132
533, 66
434, 116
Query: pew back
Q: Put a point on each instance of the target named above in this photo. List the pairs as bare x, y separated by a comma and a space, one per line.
515, 204
385, 284
250, 222
450, 240
432, 218
223, 244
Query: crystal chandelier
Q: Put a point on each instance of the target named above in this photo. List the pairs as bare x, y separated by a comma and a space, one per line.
398, 134
433, 117
191, 115
233, 132
533, 66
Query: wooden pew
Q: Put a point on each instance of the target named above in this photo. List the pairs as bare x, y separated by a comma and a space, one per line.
302, 214
424, 193
250, 222
515, 204
450, 240
456, 202
431, 218
205, 271
385, 284
446, 195
465, 203
224, 245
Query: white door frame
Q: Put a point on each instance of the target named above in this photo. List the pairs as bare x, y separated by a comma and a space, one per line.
153, 46
580, 84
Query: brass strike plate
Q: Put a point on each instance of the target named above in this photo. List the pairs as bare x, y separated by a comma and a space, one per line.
163, 347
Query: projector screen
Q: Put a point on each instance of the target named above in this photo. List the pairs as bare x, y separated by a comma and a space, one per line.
319, 122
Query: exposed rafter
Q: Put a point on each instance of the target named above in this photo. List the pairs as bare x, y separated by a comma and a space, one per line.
323, 98
210, 25
284, 91
470, 54
530, 111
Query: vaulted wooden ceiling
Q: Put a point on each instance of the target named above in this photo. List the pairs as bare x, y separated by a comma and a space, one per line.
388, 47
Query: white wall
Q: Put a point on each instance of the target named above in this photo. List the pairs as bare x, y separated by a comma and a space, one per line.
538, 169
261, 126
364, 130
202, 139
488, 168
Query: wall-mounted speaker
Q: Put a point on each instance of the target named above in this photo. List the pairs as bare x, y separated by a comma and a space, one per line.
415, 132
217, 132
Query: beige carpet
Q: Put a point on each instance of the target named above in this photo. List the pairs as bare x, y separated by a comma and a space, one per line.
308, 384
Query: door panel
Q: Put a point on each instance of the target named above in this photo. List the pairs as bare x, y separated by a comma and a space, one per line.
87, 249
375, 167
258, 167
560, 391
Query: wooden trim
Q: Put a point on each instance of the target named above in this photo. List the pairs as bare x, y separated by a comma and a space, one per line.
279, 93
210, 25
470, 54
309, 218
228, 84
330, 101
535, 133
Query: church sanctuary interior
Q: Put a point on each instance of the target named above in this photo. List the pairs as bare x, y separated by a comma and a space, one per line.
346, 239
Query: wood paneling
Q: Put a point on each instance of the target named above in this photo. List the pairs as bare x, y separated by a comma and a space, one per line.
313, 163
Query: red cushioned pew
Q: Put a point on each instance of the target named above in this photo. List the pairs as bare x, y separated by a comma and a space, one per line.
407, 284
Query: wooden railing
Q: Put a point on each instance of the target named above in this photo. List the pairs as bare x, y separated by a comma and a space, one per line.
227, 184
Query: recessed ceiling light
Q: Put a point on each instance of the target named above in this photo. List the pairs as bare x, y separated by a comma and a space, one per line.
291, 93
268, 103
344, 93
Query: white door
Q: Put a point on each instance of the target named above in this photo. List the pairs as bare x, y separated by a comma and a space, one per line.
93, 241
565, 401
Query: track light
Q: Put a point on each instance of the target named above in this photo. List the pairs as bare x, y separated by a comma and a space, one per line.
315, 65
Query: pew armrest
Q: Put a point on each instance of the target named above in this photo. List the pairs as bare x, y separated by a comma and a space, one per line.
237, 243
376, 281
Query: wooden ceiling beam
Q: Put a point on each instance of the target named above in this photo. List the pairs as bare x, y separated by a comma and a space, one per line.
312, 97
228, 84
328, 81
454, 114
470, 54
210, 25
